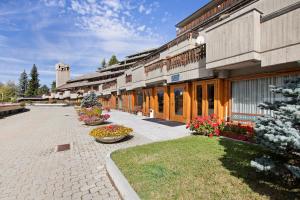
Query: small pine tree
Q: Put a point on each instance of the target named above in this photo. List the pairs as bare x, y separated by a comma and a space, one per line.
23, 84
90, 100
280, 132
34, 84
53, 86
113, 60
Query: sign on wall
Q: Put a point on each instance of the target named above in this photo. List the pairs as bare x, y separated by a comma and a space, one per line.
175, 78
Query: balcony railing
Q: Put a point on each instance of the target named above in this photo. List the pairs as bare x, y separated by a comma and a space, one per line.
154, 66
109, 85
217, 8
187, 57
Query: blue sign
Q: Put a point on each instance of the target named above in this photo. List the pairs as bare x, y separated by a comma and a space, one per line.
175, 78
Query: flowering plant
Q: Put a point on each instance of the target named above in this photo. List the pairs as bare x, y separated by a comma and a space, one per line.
110, 131
92, 114
207, 125
238, 131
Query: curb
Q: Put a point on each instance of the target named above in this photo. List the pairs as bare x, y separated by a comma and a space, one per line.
119, 180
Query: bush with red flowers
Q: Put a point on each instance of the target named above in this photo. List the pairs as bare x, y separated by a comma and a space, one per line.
238, 131
207, 125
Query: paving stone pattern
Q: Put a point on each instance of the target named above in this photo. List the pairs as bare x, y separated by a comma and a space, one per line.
30, 168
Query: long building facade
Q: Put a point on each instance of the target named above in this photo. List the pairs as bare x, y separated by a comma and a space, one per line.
222, 61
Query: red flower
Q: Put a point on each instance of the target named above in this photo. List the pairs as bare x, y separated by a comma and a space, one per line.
217, 132
188, 125
210, 135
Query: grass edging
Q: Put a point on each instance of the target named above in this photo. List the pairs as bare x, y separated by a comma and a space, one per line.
119, 180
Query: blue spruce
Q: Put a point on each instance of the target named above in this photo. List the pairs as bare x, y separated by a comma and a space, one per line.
280, 131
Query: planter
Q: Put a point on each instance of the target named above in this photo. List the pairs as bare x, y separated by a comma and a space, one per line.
110, 140
95, 123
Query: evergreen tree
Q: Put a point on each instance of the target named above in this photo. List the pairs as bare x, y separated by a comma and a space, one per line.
53, 86
103, 63
43, 90
33, 85
23, 84
113, 60
280, 131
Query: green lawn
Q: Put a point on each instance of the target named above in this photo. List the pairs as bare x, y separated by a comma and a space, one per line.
198, 167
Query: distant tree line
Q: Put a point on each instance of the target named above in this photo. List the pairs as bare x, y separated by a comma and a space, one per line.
9, 92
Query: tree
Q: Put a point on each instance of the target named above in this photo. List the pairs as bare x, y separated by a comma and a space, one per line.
53, 86
113, 60
33, 85
103, 63
90, 100
43, 90
23, 84
8, 92
280, 132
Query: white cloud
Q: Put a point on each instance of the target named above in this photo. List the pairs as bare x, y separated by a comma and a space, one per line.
142, 8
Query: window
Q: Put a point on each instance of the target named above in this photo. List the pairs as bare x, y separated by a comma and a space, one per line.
248, 94
199, 100
211, 98
160, 98
178, 95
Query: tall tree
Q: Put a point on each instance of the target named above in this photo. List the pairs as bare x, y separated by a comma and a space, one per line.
43, 90
34, 84
53, 86
23, 84
113, 60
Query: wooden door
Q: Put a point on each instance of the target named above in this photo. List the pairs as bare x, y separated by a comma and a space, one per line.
205, 98
178, 102
159, 104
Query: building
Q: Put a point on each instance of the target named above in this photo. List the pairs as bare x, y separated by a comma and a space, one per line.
102, 82
222, 61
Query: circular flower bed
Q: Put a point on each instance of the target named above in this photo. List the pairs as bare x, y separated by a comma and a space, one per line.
111, 133
93, 116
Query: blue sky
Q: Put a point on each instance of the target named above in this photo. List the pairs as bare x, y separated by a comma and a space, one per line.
82, 32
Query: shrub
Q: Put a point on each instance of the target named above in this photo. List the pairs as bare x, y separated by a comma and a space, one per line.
90, 100
23, 104
110, 131
208, 125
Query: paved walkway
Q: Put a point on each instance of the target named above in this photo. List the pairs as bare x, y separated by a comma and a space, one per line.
31, 169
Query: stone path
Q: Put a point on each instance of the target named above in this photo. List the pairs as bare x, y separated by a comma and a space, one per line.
31, 169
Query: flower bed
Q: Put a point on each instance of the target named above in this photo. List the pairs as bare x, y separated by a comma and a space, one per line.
111, 133
93, 116
244, 132
207, 125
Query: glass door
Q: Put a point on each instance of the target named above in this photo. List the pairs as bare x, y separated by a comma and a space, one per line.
159, 102
204, 98
177, 100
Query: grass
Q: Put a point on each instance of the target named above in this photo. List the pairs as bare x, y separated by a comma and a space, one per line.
198, 167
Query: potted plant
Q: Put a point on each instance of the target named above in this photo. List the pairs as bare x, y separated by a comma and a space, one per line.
207, 125
110, 133
93, 116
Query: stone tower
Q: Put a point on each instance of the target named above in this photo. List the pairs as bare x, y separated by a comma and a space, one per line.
62, 74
